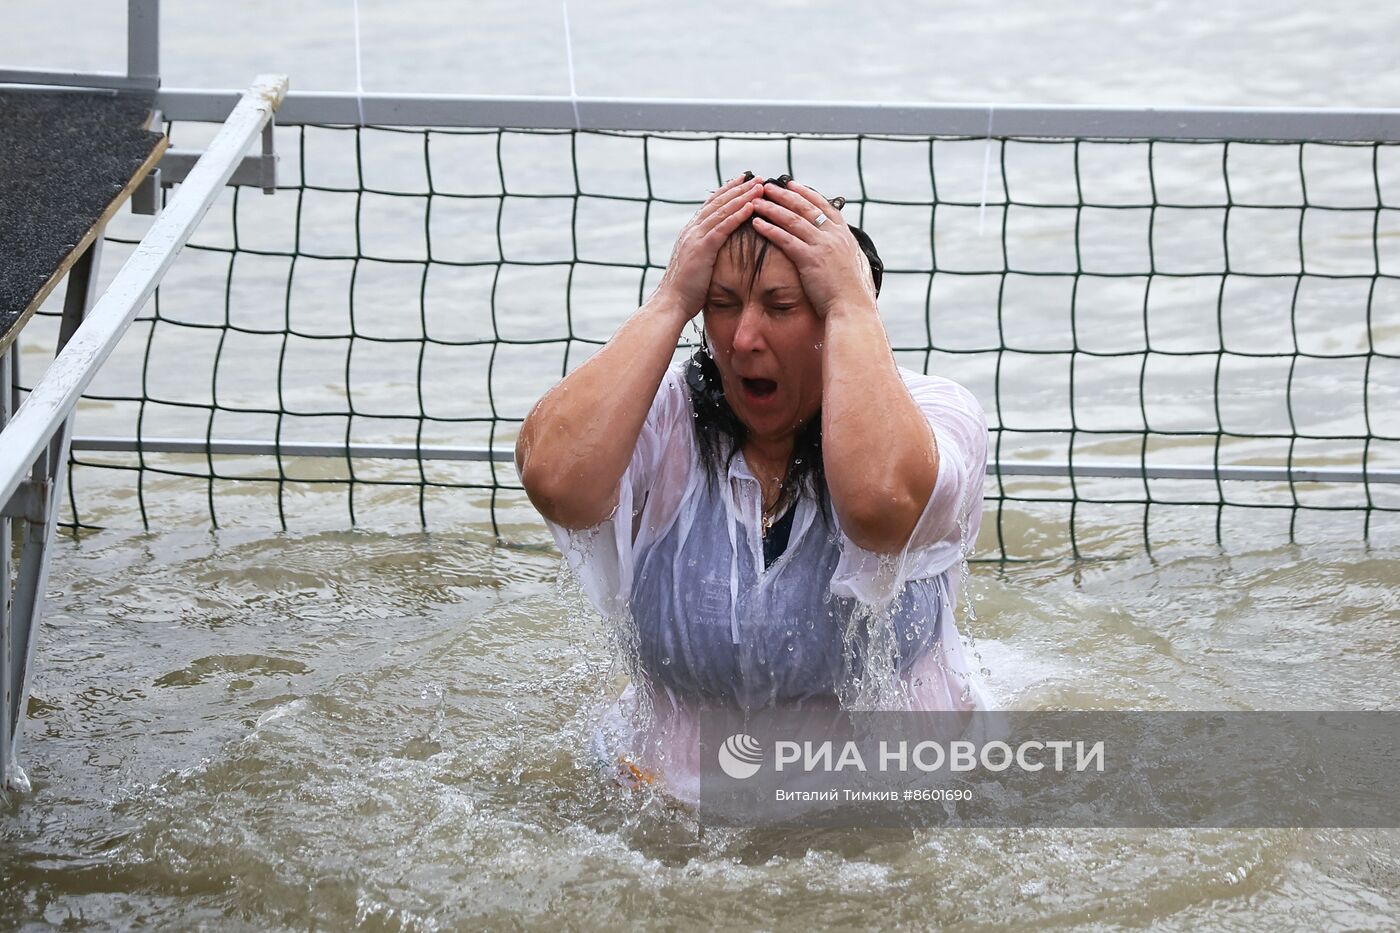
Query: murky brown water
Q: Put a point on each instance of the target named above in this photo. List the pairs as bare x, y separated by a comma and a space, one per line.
383, 729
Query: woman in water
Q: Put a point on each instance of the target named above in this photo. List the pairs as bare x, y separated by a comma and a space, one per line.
780, 519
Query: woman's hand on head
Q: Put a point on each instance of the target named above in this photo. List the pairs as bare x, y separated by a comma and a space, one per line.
834, 271
692, 265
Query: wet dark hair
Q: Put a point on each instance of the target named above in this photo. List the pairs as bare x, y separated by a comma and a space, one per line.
719, 433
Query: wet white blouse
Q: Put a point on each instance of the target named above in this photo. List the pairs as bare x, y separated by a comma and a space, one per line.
662, 501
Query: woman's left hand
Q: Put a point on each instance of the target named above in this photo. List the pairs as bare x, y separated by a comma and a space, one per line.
835, 272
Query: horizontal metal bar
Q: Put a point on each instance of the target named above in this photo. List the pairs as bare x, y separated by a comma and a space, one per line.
239, 447
252, 172
50, 402
102, 80
712, 116
271, 448
1194, 471
659, 115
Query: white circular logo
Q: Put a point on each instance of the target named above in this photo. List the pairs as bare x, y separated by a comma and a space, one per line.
740, 756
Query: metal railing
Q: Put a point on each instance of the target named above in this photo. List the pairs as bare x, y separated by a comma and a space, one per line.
34, 442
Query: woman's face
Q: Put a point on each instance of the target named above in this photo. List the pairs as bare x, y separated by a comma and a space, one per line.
767, 342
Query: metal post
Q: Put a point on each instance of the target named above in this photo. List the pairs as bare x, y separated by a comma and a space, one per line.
143, 41
48, 477
6, 617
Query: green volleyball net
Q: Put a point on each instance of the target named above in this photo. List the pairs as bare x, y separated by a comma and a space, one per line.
1172, 340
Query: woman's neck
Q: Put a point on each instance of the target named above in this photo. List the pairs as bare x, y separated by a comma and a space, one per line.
768, 461
776, 451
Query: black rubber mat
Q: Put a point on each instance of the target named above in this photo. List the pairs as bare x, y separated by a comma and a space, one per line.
64, 156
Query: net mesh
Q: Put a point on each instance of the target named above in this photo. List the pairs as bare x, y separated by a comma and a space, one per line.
1134, 304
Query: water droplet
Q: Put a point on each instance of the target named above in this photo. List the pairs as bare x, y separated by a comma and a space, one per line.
666, 662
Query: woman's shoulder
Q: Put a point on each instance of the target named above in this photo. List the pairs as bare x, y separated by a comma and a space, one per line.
673, 392
939, 391
676, 373
674, 383
670, 413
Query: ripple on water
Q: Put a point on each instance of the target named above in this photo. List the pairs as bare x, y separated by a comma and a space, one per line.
401, 758
245, 665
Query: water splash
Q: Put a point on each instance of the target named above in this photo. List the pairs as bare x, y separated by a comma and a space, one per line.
967, 630
871, 652
439, 728
610, 645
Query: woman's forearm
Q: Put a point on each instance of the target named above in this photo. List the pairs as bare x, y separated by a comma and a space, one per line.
577, 441
879, 454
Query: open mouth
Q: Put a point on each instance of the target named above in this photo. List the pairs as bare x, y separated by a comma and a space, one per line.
759, 388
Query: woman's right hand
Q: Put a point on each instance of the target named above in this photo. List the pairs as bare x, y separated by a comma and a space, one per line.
687, 278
